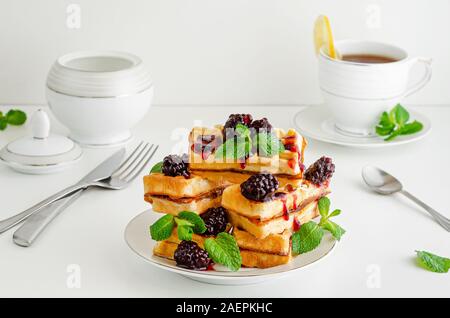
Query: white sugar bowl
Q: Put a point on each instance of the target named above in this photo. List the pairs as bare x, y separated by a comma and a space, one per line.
99, 95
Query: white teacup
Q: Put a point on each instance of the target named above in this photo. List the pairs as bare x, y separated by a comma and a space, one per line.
357, 93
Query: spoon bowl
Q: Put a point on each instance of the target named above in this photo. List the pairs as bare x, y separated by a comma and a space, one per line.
383, 183
380, 181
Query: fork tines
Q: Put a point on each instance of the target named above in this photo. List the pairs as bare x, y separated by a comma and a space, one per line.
136, 161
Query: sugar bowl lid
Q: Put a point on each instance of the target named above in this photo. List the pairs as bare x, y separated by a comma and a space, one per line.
42, 152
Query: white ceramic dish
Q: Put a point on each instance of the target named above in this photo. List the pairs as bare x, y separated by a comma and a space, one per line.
316, 123
40, 152
138, 239
356, 93
99, 95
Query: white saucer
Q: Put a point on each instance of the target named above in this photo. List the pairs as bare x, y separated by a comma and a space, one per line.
314, 122
137, 236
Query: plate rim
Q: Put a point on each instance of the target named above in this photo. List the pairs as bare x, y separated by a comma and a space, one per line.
215, 274
330, 140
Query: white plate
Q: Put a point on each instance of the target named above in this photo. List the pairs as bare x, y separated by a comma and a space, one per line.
314, 122
137, 236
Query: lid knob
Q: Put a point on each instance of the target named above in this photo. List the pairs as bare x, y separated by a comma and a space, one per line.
40, 125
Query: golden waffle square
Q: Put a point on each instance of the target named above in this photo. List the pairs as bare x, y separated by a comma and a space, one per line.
227, 178
261, 229
287, 198
289, 162
165, 204
179, 186
165, 249
263, 260
279, 244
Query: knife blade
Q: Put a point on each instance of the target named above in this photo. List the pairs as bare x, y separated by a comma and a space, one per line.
106, 168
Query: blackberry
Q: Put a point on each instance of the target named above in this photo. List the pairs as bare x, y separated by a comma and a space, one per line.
234, 119
320, 171
174, 165
261, 125
260, 187
189, 255
215, 220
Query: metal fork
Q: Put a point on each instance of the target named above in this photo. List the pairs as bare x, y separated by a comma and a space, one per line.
119, 179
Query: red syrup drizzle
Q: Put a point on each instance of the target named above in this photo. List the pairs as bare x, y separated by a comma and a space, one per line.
294, 203
285, 209
210, 267
296, 225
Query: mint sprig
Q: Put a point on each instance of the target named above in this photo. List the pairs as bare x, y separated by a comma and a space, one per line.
197, 222
268, 144
241, 144
236, 147
13, 117
157, 168
224, 250
187, 223
395, 123
311, 233
432, 262
162, 229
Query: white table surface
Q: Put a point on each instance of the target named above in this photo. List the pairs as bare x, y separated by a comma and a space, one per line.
382, 232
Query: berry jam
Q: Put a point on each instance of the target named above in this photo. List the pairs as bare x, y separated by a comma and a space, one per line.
296, 225
285, 209
292, 163
205, 145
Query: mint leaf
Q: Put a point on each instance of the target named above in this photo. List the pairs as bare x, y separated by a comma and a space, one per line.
224, 250
184, 232
16, 117
197, 222
411, 128
268, 144
3, 123
385, 125
396, 123
307, 238
324, 206
432, 262
181, 222
157, 168
234, 148
401, 115
334, 229
394, 134
335, 213
242, 130
162, 229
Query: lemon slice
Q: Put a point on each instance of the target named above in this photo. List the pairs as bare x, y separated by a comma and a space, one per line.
323, 37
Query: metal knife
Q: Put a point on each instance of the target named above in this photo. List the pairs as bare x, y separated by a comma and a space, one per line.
102, 171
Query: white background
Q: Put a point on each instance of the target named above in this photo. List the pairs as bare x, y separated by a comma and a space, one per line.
215, 52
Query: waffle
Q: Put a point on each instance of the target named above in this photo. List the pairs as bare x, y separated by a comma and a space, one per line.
286, 199
262, 229
274, 243
263, 260
179, 187
200, 204
286, 163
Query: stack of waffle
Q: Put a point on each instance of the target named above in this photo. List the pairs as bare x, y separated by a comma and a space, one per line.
262, 229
